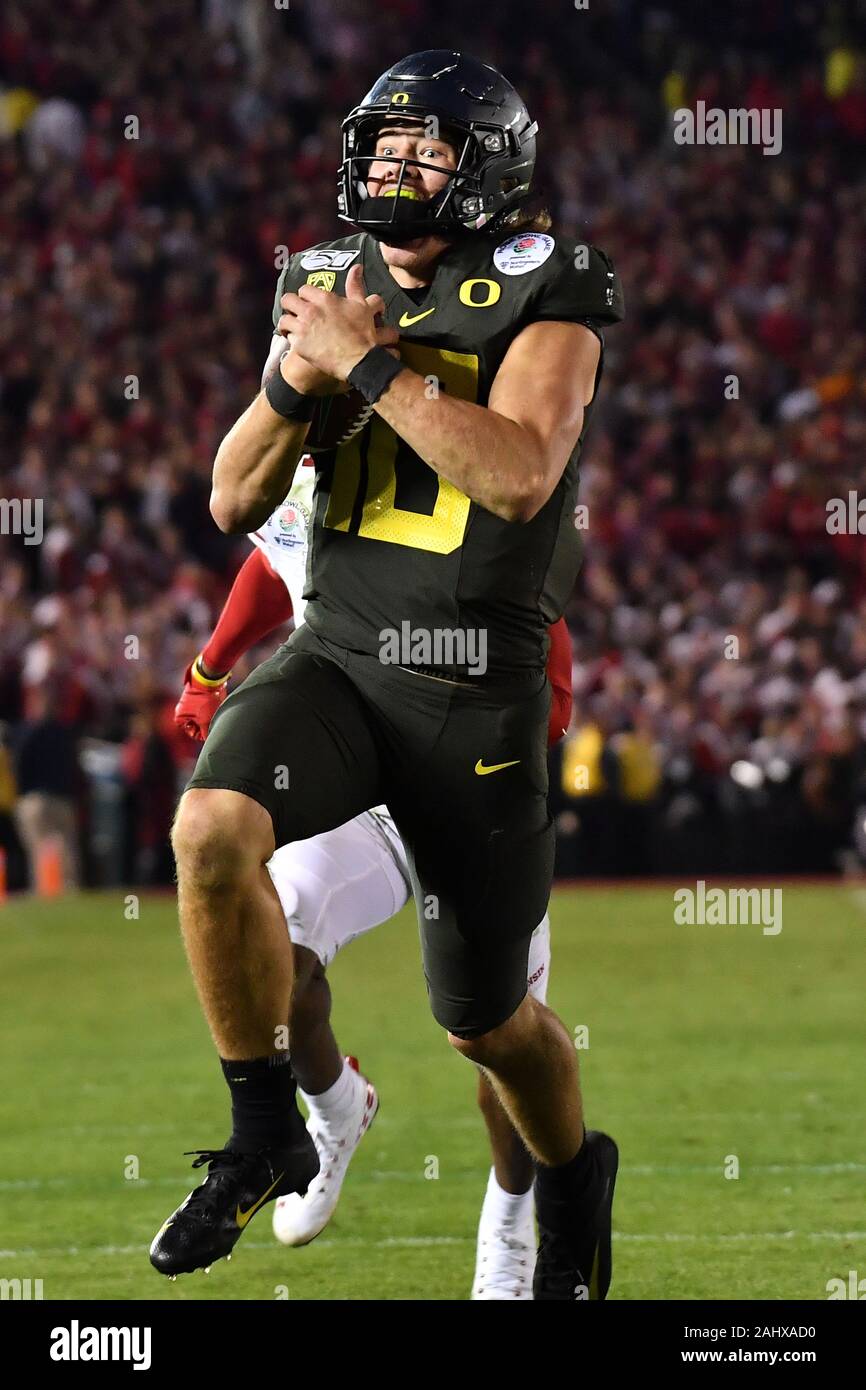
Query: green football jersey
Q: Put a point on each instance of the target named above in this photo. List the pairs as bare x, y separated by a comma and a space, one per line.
392, 542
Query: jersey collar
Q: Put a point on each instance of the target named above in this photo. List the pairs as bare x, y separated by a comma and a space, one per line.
379, 280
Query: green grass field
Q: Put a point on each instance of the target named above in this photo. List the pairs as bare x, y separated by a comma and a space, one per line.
704, 1042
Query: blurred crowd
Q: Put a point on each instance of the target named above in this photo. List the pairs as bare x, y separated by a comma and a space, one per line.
155, 157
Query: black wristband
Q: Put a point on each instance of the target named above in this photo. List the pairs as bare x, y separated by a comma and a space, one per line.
286, 401
374, 373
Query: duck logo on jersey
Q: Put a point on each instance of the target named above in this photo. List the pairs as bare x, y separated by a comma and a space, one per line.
323, 279
521, 253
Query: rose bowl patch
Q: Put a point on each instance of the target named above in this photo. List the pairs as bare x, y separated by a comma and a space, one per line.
527, 251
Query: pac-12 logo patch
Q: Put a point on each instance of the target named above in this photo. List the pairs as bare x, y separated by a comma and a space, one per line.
527, 251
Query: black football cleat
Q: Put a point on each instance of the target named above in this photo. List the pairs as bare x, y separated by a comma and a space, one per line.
214, 1216
574, 1255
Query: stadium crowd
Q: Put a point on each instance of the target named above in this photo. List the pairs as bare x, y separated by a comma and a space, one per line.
153, 161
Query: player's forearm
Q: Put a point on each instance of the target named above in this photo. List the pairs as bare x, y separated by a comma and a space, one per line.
254, 467
493, 460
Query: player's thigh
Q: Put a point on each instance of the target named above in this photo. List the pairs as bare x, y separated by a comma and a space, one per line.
482, 847
295, 737
338, 885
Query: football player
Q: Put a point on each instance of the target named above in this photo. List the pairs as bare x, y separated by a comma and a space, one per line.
334, 888
443, 548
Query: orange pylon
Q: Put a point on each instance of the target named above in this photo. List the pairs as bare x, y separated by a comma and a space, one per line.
49, 868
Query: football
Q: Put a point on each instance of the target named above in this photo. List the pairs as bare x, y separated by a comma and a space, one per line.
336, 420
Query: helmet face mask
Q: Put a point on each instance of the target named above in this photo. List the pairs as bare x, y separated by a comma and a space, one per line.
476, 111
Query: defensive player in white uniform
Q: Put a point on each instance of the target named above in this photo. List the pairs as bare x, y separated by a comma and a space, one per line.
332, 888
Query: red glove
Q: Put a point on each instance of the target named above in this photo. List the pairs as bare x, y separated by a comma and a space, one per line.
258, 603
199, 702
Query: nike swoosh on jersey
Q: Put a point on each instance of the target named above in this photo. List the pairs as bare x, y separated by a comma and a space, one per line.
407, 319
242, 1217
482, 771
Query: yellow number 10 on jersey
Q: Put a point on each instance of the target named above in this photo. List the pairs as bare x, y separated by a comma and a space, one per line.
381, 519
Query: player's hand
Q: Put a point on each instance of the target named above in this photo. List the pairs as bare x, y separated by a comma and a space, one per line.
197, 705
333, 333
302, 374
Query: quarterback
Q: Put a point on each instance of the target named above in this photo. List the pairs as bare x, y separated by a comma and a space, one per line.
476, 341
338, 886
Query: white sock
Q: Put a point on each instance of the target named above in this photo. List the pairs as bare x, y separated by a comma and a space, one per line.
503, 1208
337, 1102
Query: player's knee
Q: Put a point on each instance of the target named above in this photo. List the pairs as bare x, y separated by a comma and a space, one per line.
310, 981
486, 1049
219, 836
481, 1050
311, 998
